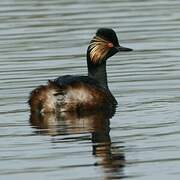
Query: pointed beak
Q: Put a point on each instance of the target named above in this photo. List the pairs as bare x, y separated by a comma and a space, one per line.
121, 48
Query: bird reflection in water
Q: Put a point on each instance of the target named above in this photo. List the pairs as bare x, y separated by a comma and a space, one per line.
108, 156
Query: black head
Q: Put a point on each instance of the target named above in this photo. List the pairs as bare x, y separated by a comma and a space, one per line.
108, 34
104, 45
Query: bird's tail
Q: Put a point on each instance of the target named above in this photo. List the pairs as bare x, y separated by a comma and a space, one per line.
42, 98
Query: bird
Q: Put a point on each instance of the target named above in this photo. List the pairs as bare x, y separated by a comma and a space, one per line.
78, 93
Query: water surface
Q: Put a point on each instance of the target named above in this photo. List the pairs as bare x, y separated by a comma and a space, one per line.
40, 40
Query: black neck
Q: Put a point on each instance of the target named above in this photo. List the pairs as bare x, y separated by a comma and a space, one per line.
97, 72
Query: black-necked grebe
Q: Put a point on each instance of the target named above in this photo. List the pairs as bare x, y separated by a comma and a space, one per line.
78, 93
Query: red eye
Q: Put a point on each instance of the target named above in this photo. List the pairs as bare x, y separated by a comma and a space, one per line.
110, 45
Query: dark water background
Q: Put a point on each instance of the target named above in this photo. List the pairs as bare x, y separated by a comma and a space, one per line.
41, 40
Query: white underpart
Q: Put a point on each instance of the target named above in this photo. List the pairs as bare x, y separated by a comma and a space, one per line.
79, 95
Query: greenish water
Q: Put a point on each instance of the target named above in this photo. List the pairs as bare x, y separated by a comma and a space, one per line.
40, 40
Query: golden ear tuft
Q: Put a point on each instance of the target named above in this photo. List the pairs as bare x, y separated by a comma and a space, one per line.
99, 48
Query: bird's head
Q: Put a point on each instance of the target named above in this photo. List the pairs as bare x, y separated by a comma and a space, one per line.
104, 45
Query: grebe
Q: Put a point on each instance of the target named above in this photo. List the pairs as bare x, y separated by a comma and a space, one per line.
81, 93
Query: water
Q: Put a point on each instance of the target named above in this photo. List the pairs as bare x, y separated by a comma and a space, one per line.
40, 40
